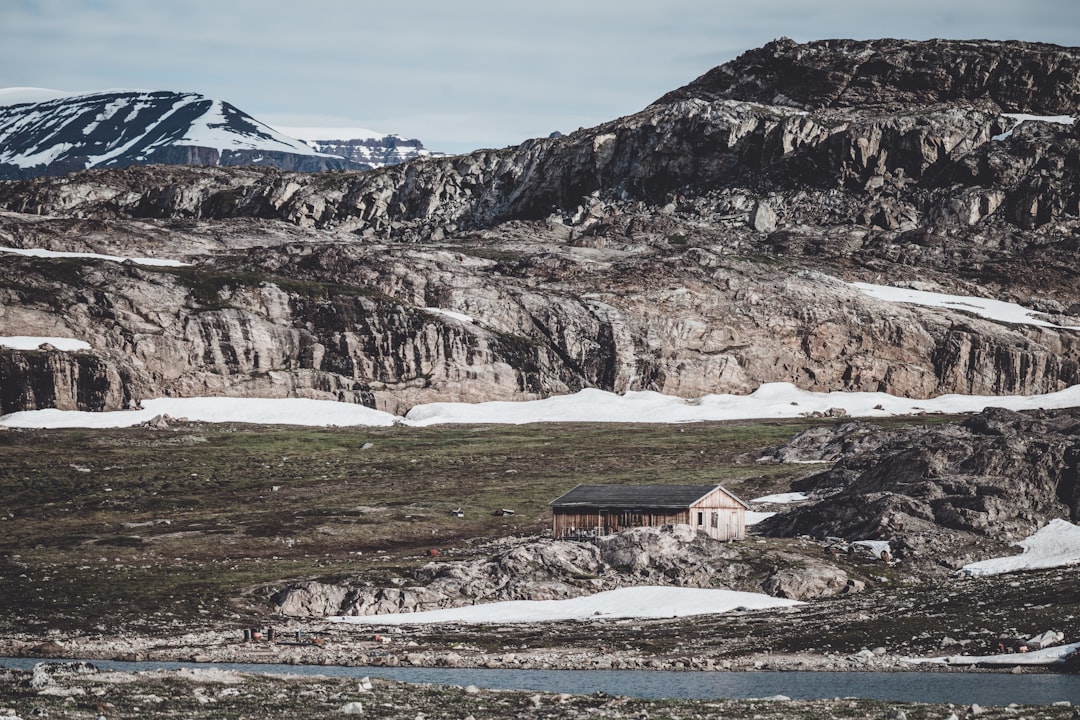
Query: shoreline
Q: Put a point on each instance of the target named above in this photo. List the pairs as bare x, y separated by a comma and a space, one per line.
216, 647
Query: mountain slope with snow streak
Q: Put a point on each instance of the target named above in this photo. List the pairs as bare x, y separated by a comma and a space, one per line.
366, 147
43, 135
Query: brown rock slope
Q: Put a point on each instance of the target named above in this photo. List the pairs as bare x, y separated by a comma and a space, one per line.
697, 246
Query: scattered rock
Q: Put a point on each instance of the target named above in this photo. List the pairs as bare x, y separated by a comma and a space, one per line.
534, 569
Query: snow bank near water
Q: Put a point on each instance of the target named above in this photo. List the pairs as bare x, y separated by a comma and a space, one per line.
633, 602
774, 400
1056, 545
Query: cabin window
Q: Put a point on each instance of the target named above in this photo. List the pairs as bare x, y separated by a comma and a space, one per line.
716, 519
701, 518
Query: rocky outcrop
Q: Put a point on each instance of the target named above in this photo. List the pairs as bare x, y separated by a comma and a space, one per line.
947, 495
826, 443
897, 74
534, 570
698, 246
66, 381
810, 582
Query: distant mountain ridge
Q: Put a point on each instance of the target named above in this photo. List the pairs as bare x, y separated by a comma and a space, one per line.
45, 133
377, 152
366, 147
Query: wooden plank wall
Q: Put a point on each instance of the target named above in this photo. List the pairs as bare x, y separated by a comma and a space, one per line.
717, 514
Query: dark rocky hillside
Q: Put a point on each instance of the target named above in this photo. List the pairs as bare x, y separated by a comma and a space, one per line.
897, 75
947, 495
705, 244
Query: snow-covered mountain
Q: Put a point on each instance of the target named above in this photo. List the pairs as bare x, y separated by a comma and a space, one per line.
360, 145
45, 132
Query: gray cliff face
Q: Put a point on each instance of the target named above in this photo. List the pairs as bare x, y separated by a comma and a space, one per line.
703, 245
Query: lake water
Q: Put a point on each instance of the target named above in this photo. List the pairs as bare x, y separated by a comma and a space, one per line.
941, 687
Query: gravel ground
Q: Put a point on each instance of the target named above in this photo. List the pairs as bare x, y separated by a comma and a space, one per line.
79, 691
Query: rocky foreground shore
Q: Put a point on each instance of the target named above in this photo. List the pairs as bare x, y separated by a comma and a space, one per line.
80, 690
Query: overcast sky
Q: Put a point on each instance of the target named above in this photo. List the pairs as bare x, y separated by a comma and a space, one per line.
457, 74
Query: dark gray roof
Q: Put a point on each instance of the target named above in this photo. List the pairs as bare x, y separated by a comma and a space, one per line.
635, 496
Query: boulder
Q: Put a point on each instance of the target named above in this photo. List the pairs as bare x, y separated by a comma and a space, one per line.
807, 583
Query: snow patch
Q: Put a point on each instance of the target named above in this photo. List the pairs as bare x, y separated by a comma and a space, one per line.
213, 129
269, 411
632, 602
775, 400
753, 517
772, 400
450, 314
874, 547
37, 252
1023, 117
1056, 545
1046, 656
33, 342
783, 498
996, 310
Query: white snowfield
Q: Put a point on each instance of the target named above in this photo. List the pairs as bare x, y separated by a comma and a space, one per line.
774, 400
996, 310
1056, 545
782, 498
753, 517
269, 411
650, 601
33, 342
1018, 118
37, 252
450, 314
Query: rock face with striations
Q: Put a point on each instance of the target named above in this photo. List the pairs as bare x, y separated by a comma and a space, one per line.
705, 244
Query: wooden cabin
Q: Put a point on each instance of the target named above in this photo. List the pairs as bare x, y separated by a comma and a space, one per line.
591, 510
